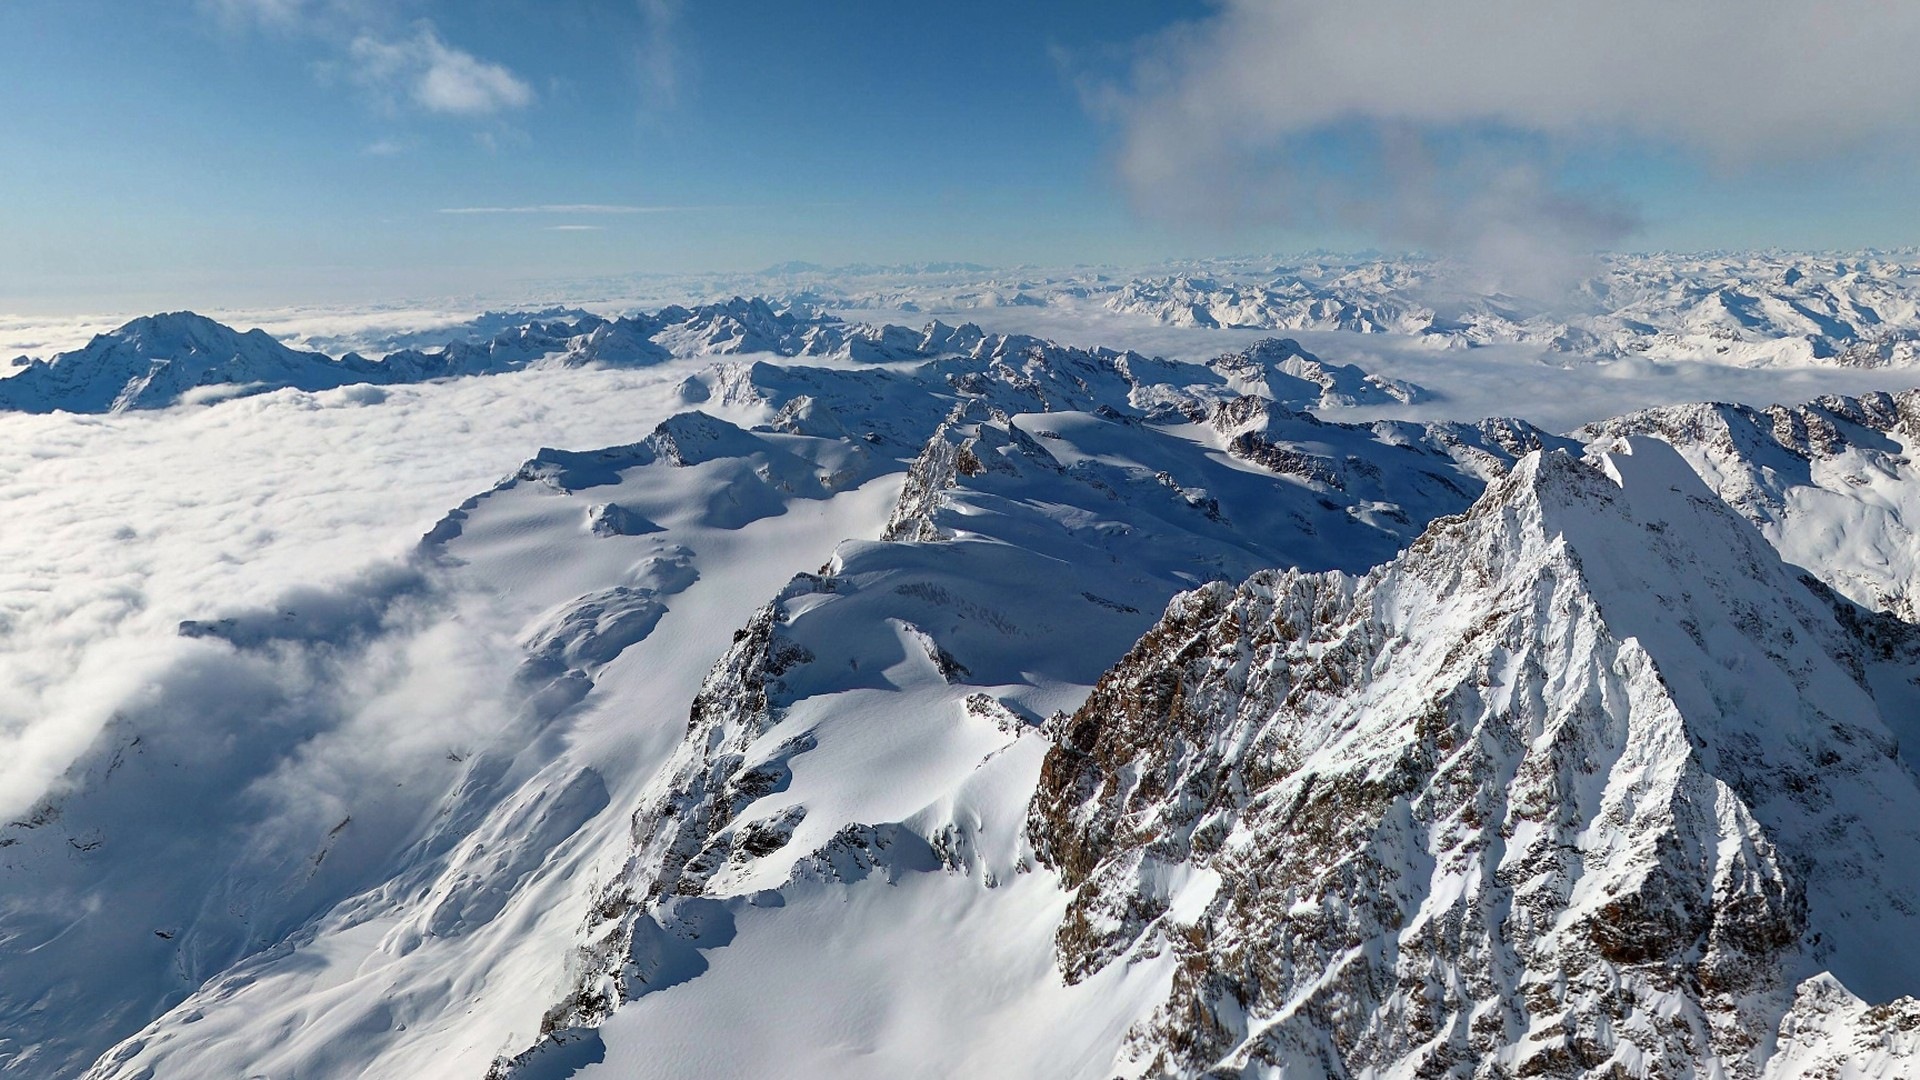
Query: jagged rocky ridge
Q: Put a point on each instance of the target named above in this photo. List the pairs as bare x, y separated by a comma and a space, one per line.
1146, 477
717, 830
1587, 783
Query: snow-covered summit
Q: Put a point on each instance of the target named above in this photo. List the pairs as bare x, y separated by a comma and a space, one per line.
158, 359
1280, 369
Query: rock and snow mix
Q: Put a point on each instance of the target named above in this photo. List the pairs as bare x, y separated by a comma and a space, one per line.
1586, 780
947, 702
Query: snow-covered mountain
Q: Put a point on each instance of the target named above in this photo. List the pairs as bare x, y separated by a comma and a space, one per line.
945, 702
1831, 483
1750, 310
1587, 783
160, 360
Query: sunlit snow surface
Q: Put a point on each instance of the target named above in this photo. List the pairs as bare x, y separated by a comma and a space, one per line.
339, 827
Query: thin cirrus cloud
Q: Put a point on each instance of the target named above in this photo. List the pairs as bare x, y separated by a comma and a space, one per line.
1465, 113
569, 208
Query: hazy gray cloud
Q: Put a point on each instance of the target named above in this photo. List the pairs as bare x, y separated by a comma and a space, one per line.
1449, 117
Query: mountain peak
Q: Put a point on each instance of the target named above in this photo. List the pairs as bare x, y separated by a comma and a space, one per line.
1562, 743
189, 329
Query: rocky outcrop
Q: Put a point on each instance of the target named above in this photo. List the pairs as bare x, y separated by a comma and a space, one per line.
687, 829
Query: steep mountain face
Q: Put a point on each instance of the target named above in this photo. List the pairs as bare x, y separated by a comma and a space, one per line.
790, 740
1587, 783
1017, 563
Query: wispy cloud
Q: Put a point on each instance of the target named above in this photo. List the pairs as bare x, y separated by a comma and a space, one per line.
435, 75
400, 65
570, 208
575, 228
658, 59
274, 13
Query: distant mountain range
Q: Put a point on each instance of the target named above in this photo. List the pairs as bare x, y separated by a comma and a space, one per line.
162, 360
1740, 309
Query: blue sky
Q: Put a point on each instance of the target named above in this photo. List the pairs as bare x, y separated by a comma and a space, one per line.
248, 151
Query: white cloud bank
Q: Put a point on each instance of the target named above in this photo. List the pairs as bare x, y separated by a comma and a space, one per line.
126, 525
1461, 109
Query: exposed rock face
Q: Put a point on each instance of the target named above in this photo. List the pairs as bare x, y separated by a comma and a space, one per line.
958, 449
1534, 799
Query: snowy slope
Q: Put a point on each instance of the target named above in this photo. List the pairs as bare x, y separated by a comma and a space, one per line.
1831, 483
